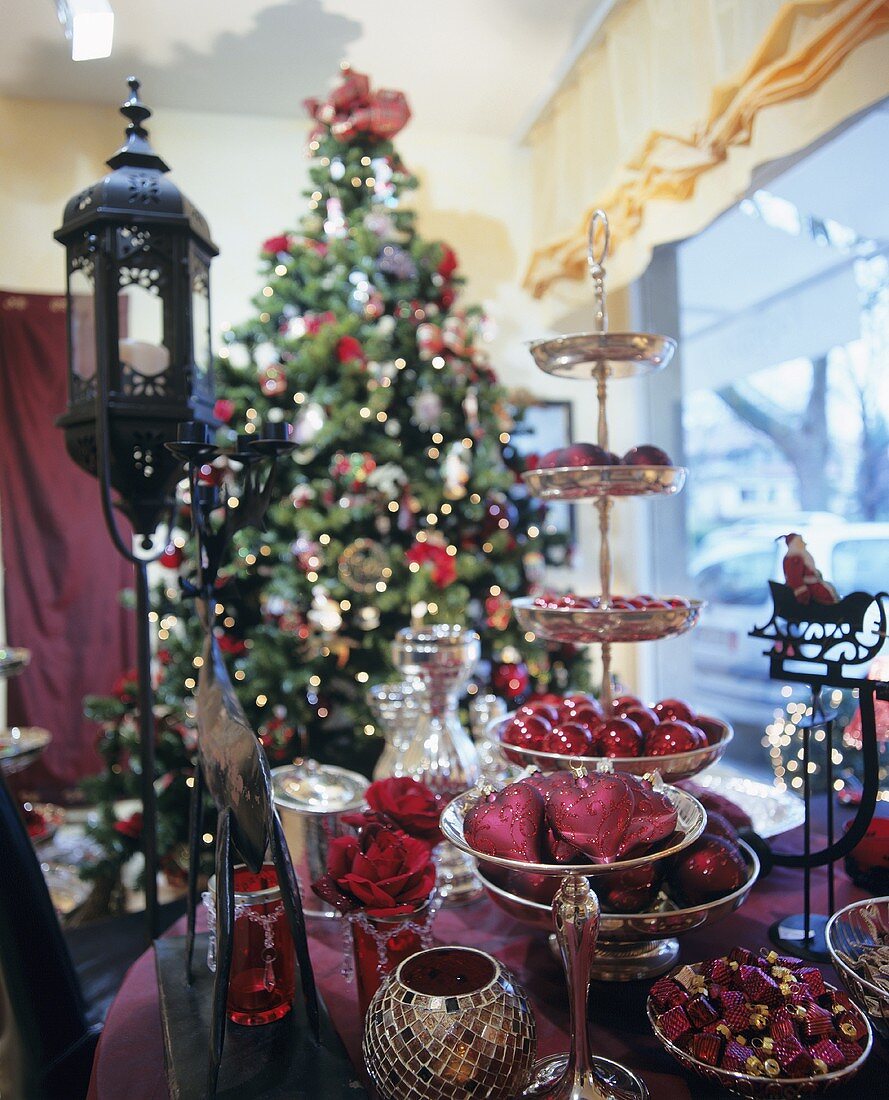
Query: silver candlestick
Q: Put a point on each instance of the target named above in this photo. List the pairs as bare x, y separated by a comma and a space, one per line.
440, 752
396, 707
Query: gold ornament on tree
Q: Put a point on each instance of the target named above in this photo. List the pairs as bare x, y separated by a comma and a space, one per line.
362, 565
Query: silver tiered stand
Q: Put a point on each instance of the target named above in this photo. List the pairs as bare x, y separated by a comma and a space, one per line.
580, 1075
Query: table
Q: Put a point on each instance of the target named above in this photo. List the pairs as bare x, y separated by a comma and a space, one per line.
129, 1062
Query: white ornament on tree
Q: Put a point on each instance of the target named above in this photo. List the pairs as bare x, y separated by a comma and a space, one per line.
309, 423
427, 410
266, 355
325, 613
455, 472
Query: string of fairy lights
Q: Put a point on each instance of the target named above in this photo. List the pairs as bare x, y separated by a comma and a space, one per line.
784, 742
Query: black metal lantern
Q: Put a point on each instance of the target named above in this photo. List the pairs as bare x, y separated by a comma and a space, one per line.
139, 360
139, 365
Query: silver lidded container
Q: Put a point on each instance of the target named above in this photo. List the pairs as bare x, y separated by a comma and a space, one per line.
311, 799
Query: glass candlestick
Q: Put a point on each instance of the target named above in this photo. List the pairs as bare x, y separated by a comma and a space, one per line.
396, 707
441, 753
483, 711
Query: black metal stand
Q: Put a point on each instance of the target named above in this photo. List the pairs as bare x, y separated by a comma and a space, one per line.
231, 761
815, 645
146, 747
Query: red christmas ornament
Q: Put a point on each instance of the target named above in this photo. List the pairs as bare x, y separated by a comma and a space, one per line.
447, 265
619, 737
710, 868
274, 245
443, 567
224, 410
511, 680
172, 557
349, 350
509, 824
609, 816
673, 736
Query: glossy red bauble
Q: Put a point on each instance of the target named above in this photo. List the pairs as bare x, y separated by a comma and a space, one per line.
632, 891
719, 825
619, 737
621, 702
709, 869
712, 728
644, 717
584, 454
673, 708
569, 739
525, 732
646, 455
673, 736
539, 709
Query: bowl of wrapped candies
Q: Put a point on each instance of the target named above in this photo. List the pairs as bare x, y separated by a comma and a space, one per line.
858, 941
760, 1025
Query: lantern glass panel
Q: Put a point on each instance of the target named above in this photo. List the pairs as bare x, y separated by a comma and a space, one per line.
200, 316
82, 321
144, 356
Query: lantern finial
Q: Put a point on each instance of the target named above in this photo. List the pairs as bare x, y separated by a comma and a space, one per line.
136, 151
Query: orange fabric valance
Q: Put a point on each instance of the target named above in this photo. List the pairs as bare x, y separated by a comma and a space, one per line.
818, 63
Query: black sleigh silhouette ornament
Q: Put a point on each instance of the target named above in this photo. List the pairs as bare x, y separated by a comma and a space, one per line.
300, 1055
821, 640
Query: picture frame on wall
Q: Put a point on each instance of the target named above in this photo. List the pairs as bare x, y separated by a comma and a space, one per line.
544, 426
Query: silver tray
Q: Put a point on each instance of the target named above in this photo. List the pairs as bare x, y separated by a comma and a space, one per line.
21, 745
581, 482
609, 354
13, 661
771, 810
597, 624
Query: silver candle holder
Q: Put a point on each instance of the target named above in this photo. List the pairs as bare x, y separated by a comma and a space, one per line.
396, 707
440, 752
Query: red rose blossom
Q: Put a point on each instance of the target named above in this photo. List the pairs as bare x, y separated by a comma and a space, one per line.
381, 870
405, 803
444, 568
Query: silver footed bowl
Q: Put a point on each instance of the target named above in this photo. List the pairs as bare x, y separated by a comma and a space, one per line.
690, 821
582, 482
849, 933
584, 625
609, 354
679, 765
663, 922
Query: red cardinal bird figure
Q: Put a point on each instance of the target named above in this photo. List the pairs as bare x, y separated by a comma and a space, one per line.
803, 576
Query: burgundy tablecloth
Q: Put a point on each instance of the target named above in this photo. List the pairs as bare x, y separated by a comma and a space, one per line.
130, 1063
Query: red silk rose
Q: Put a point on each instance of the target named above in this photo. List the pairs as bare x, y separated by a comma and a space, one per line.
274, 245
404, 803
348, 349
380, 870
444, 569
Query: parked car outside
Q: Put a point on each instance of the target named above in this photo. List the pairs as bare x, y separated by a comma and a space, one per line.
731, 570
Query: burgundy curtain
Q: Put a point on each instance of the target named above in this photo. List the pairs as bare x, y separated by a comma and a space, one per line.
63, 576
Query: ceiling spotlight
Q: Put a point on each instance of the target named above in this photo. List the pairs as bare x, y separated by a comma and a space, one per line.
89, 25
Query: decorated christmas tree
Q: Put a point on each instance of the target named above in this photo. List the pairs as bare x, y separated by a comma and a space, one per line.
403, 501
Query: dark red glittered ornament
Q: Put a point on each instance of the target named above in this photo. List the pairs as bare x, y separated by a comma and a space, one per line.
710, 868
508, 824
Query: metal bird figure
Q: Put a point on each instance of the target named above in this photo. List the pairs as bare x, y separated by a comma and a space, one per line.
232, 763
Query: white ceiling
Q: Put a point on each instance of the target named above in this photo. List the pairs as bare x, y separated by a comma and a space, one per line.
478, 66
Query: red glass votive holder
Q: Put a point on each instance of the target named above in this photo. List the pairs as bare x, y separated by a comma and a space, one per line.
380, 943
262, 983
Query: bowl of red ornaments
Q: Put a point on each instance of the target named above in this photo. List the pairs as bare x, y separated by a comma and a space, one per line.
761, 1025
581, 620
555, 732
586, 470
644, 909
